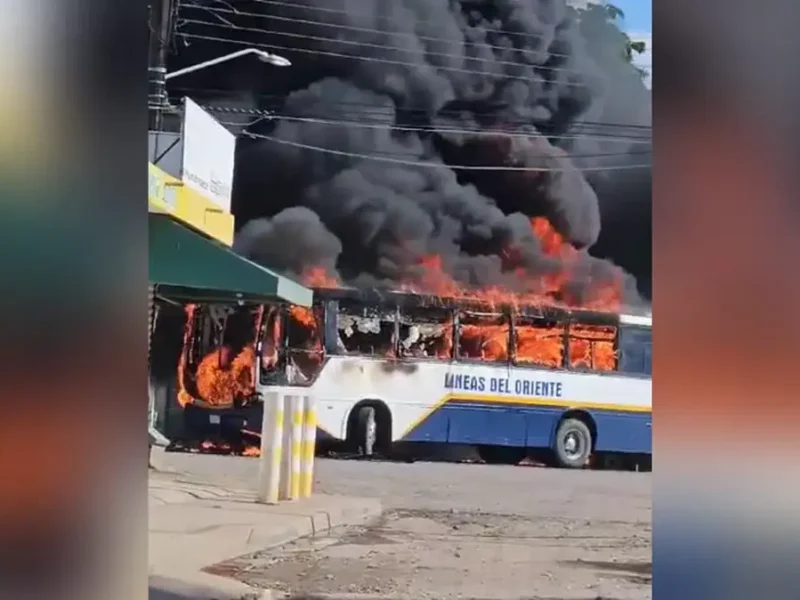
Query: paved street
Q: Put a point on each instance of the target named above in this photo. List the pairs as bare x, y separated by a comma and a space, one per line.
463, 531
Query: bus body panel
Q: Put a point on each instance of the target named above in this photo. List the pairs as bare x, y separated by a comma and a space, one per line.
473, 403
623, 432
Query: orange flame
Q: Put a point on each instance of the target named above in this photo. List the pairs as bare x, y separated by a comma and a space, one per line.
221, 380
487, 342
220, 447
304, 316
539, 345
542, 289
592, 347
317, 277
184, 398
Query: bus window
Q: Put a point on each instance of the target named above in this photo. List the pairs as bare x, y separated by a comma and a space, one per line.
366, 331
271, 327
483, 336
538, 342
592, 347
426, 333
304, 352
635, 347
219, 368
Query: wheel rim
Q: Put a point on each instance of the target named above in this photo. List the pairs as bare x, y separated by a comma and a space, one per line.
574, 445
372, 430
370, 434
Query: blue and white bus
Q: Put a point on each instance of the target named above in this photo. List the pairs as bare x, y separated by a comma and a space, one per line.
389, 368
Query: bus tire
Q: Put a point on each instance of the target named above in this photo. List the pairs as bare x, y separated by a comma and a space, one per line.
366, 431
501, 455
573, 444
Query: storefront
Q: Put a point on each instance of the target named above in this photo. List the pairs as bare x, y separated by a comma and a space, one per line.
190, 260
186, 266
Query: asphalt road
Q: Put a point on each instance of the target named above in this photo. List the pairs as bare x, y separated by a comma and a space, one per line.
464, 531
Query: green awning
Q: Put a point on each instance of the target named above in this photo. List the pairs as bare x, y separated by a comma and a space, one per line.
194, 267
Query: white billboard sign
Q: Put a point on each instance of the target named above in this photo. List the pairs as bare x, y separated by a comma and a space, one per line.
208, 151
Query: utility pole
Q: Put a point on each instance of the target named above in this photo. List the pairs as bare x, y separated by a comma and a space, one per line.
160, 20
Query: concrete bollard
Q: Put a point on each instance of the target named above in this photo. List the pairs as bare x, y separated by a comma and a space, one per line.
309, 442
271, 448
292, 434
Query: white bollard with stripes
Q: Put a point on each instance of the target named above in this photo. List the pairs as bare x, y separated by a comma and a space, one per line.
308, 446
292, 434
271, 447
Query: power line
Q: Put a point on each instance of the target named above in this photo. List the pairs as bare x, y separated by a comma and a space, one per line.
419, 129
565, 155
369, 59
386, 18
316, 38
431, 164
414, 36
362, 109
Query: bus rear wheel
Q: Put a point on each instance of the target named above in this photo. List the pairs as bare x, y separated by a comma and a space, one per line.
501, 455
573, 444
366, 431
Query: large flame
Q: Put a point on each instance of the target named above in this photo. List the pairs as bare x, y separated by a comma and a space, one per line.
588, 347
551, 288
317, 277
220, 378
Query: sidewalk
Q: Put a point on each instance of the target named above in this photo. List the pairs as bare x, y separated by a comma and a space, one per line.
195, 525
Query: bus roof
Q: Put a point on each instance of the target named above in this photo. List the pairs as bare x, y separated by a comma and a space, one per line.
642, 320
411, 300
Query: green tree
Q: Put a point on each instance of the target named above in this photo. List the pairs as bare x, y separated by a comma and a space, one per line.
609, 16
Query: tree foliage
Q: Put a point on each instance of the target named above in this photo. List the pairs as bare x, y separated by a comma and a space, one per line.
609, 16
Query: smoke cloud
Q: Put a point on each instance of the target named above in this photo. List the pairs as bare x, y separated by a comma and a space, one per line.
405, 74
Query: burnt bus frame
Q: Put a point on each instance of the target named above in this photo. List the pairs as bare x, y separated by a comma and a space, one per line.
327, 301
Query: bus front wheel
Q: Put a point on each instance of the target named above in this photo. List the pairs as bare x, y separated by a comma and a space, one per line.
573, 444
501, 455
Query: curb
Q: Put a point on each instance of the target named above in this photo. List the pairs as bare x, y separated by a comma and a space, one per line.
301, 522
321, 523
157, 462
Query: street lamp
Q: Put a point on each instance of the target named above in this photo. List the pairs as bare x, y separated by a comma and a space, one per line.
266, 57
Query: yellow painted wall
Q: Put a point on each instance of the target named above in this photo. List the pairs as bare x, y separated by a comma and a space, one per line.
168, 195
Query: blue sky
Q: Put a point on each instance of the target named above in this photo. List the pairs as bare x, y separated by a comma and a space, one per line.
638, 24
638, 14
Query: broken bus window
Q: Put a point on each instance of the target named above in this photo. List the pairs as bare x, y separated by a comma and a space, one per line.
304, 350
483, 336
538, 342
271, 341
366, 330
426, 333
592, 347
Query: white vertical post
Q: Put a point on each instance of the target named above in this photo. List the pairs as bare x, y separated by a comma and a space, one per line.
271, 447
292, 433
309, 443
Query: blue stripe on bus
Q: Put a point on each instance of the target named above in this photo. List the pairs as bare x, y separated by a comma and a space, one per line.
532, 426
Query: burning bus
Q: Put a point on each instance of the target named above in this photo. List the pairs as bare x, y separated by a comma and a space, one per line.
390, 367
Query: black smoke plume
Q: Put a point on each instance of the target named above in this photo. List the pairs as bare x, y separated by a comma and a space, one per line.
423, 84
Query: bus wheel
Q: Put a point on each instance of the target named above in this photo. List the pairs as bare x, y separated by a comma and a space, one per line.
501, 455
366, 431
573, 444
